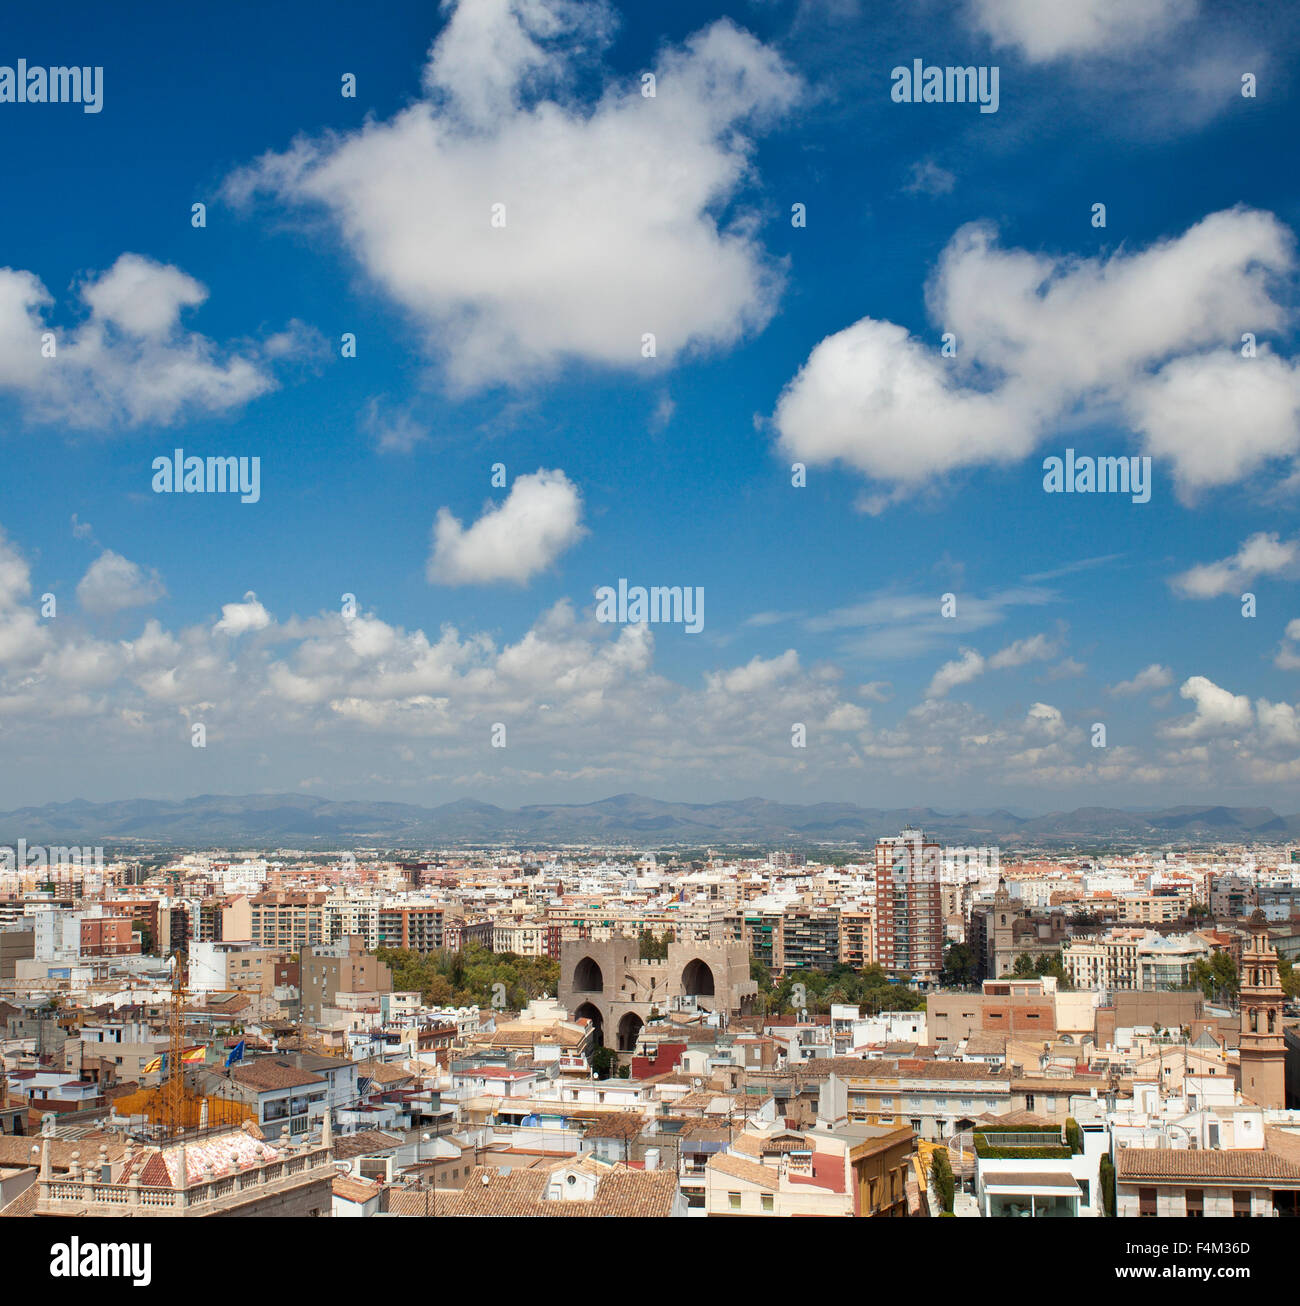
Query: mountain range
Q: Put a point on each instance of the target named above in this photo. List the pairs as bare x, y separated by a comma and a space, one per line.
295, 820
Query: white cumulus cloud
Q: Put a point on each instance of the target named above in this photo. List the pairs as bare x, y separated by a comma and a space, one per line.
1149, 678
1264, 554
239, 618
1143, 335
609, 227
113, 582
1216, 711
130, 360
538, 520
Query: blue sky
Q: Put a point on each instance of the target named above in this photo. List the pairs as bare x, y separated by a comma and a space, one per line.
775, 344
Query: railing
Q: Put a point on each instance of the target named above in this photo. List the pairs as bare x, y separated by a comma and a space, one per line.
65, 1193
1013, 1138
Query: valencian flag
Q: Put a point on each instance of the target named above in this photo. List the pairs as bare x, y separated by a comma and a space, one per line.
236, 1053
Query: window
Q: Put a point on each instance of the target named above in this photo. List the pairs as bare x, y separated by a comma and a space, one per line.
1147, 1202
1029, 1101
1196, 1201
915, 1122
1240, 1202
768, 1202
733, 1200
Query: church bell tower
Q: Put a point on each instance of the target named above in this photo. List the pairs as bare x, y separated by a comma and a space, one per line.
1263, 1051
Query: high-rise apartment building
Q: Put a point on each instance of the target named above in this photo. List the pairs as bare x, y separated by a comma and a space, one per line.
909, 910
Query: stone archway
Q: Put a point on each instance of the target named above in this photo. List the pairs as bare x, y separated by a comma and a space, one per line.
589, 1011
697, 979
588, 977
629, 1030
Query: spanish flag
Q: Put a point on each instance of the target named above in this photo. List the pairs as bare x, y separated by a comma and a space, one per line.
191, 1056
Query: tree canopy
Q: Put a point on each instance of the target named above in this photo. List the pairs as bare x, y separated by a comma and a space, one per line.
870, 987
1026, 967
1216, 977
467, 978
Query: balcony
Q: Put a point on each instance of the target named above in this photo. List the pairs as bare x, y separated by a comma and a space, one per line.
78, 1195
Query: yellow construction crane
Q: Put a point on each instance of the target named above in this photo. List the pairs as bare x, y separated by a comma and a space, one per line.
173, 1094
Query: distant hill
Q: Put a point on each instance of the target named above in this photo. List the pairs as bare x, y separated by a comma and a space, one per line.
263, 820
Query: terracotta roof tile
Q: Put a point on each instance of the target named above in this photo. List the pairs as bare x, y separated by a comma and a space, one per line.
620, 1192
1137, 1163
736, 1167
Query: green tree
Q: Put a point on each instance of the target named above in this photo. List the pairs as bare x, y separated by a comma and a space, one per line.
602, 1061
1107, 1177
942, 1178
653, 948
470, 977
1216, 977
1055, 967
1074, 1135
960, 966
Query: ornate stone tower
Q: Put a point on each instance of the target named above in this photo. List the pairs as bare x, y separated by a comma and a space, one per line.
1263, 1052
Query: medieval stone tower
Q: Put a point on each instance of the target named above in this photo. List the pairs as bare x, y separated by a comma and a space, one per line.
608, 984
1263, 1051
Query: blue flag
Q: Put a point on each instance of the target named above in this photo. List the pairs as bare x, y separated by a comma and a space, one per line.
236, 1053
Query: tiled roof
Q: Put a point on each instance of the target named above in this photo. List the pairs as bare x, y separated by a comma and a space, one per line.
750, 1172
16, 1150
355, 1190
703, 1100
689, 1125
381, 1072
986, 1045
23, 1204
625, 1125
850, 1068
416, 1201
273, 1072
364, 1143
620, 1192
1137, 1163
756, 1145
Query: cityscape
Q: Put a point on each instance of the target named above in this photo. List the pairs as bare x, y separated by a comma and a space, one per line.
917, 1029
680, 611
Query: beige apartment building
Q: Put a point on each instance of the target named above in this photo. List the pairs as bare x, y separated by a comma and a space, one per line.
1108, 961
1154, 908
857, 936
285, 920
523, 938
342, 967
